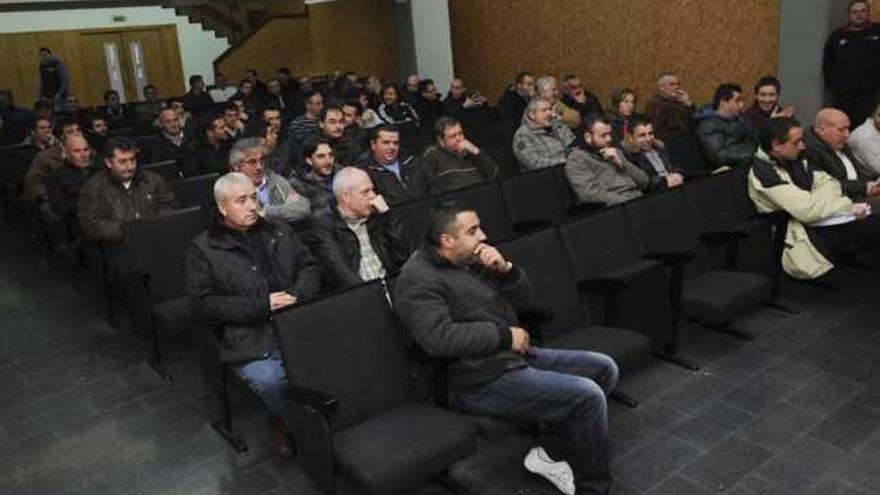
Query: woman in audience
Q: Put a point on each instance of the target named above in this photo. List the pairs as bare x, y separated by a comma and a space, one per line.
766, 105
369, 118
373, 89
395, 111
621, 113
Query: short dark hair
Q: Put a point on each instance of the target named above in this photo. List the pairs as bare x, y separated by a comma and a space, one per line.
310, 93
43, 49
424, 83
725, 92
776, 129
383, 128
310, 145
174, 99
61, 124
269, 108
50, 120
195, 77
251, 71
283, 70
110, 92
327, 109
522, 75
443, 123
149, 86
230, 106
41, 105
94, 117
257, 129
638, 120
120, 143
206, 122
768, 81
441, 217
354, 102
853, 2
590, 121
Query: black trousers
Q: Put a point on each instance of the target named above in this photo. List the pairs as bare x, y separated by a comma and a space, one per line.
858, 104
848, 238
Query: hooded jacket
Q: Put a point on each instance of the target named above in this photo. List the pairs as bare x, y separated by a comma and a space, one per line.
809, 196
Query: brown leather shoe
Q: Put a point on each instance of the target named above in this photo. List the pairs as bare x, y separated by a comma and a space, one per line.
280, 444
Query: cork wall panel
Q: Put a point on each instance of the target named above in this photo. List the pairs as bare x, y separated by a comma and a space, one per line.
282, 42
616, 43
354, 35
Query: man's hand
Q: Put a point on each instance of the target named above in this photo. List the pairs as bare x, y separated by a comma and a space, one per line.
674, 179
612, 156
492, 259
469, 147
861, 210
872, 188
280, 300
683, 97
379, 205
519, 341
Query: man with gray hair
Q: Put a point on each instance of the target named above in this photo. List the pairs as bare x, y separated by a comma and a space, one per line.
670, 110
238, 273
543, 139
359, 239
549, 88
278, 200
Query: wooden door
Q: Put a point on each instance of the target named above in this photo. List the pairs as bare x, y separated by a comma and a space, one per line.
95, 73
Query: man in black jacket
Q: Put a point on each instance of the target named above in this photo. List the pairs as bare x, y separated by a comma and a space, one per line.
209, 153
458, 297
359, 239
828, 151
512, 103
726, 139
398, 179
197, 99
240, 271
649, 154
171, 142
576, 97
850, 63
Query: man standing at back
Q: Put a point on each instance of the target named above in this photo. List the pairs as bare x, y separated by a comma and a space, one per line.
53, 78
850, 63
458, 297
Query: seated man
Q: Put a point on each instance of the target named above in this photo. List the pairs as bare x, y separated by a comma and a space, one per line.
428, 105
196, 100
96, 132
825, 222
111, 197
238, 272
113, 109
331, 125
398, 179
575, 96
725, 138
46, 162
458, 297
670, 110
171, 142
598, 172
547, 87
358, 240
64, 184
209, 152
865, 142
278, 201
648, 153
542, 140
513, 102
316, 183
829, 152
454, 162
307, 123
232, 118
459, 100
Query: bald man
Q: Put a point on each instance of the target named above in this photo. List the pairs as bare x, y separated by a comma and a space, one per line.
63, 184
360, 239
828, 151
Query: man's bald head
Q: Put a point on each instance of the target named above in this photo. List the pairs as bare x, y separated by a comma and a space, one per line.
77, 151
832, 126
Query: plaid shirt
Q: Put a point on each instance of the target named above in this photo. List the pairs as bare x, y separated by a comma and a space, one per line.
371, 266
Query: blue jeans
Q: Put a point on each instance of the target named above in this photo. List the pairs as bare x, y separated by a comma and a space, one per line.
266, 377
564, 393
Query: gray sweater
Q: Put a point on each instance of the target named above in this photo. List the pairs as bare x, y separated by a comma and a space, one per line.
463, 314
594, 180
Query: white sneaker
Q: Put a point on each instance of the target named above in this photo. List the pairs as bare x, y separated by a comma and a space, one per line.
557, 472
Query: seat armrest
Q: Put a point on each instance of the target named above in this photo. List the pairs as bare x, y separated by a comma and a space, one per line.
316, 399
618, 279
670, 257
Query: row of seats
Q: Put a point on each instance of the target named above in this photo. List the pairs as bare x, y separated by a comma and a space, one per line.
614, 280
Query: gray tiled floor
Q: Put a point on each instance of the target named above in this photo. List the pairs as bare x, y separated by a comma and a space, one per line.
797, 410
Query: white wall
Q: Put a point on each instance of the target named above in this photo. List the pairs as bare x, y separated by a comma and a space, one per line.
198, 48
433, 41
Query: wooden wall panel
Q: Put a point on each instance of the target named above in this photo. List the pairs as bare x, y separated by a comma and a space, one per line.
353, 35
616, 43
282, 42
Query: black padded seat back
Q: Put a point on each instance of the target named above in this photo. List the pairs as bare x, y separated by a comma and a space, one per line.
195, 191
414, 219
168, 169
664, 223
543, 257
600, 242
349, 345
537, 197
157, 247
488, 200
716, 202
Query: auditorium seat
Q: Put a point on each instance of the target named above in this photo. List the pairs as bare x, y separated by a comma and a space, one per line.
488, 200
713, 297
195, 191
167, 169
351, 406
157, 248
536, 199
562, 317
